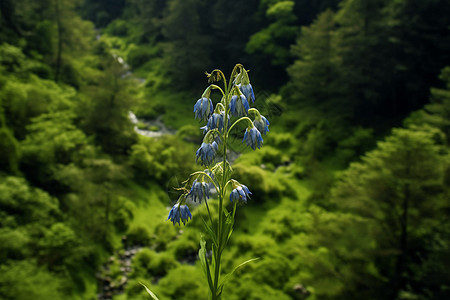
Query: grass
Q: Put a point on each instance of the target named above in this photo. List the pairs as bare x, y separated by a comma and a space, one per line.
151, 205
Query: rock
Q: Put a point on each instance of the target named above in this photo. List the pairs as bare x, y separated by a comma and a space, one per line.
301, 291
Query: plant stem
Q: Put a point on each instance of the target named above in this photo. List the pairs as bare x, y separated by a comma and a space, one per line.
218, 251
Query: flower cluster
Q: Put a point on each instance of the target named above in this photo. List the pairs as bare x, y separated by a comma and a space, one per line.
221, 119
235, 103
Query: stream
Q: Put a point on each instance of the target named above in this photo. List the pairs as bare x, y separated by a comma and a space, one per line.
158, 125
107, 286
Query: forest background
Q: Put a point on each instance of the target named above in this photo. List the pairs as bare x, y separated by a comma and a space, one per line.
351, 190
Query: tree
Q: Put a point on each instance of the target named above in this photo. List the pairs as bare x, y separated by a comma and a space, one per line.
317, 88
399, 190
104, 112
231, 25
381, 44
437, 113
274, 40
187, 51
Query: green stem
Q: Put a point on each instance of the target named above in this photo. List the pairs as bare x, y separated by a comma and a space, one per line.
221, 105
239, 120
218, 252
234, 71
214, 86
207, 208
224, 79
209, 177
254, 110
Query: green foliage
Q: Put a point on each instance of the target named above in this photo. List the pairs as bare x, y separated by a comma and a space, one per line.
160, 159
192, 40
59, 246
437, 113
22, 204
148, 263
184, 282
25, 280
12, 58
36, 247
273, 40
25, 98
104, 112
397, 189
9, 152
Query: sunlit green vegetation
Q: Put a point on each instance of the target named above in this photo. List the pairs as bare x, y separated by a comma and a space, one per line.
350, 190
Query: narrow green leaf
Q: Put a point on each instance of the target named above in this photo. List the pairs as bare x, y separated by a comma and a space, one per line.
226, 277
227, 229
210, 232
204, 262
149, 292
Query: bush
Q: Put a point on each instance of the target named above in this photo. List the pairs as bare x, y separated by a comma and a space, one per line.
262, 184
138, 56
190, 133
185, 249
164, 233
159, 159
118, 28
138, 235
148, 262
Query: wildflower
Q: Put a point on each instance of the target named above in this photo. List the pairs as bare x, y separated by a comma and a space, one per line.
239, 106
240, 193
216, 121
203, 108
206, 153
253, 138
199, 190
243, 82
261, 124
247, 90
179, 212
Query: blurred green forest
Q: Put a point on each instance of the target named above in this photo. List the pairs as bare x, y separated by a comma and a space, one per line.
351, 190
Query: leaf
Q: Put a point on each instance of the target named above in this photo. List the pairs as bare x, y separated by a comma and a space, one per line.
204, 261
210, 232
225, 278
149, 292
228, 226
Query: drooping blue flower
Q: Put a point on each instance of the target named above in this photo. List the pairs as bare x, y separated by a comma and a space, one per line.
203, 108
206, 153
247, 90
217, 121
253, 138
239, 106
261, 124
179, 212
199, 190
240, 193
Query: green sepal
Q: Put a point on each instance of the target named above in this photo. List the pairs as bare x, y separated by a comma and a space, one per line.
244, 79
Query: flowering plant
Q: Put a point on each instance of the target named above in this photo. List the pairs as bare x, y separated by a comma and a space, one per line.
236, 94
